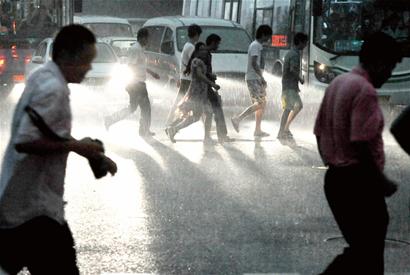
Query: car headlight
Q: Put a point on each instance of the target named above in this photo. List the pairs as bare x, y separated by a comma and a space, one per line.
323, 73
121, 75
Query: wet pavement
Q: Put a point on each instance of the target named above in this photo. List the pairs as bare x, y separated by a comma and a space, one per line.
247, 207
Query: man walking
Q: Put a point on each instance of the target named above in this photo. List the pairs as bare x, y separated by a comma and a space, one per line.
212, 44
33, 229
194, 32
255, 81
349, 129
137, 89
291, 102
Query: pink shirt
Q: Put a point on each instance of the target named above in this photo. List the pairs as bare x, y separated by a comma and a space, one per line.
350, 112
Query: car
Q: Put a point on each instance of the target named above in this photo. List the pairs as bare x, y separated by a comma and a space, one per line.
106, 67
120, 45
104, 26
168, 34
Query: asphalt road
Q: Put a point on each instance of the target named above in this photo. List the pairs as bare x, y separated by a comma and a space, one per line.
249, 206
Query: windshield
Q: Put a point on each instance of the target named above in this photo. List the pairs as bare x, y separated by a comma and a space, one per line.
121, 47
23, 19
344, 24
234, 40
110, 29
104, 54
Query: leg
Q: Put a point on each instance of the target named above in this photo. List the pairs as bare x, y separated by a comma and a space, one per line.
123, 113
258, 116
219, 116
360, 211
183, 88
145, 106
11, 261
283, 121
207, 125
297, 104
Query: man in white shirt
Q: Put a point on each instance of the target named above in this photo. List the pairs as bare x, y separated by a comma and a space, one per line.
137, 89
33, 229
255, 81
194, 32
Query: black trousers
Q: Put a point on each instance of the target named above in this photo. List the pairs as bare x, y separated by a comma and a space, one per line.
43, 245
356, 199
216, 102
139, 98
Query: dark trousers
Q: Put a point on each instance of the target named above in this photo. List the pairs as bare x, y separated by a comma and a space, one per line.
43, 245
138, 95
357, 202
216, 102
183, 88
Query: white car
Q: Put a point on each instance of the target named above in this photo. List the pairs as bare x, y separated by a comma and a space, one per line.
106, 67
120, 45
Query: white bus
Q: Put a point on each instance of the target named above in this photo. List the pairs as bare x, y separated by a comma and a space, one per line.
336, 30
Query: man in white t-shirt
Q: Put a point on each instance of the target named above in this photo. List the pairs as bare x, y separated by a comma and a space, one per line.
33, 230
137, 89
194, 32
255, 81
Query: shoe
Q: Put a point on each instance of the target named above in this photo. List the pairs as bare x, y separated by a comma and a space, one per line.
260, 134
282, 135
170, 131
147, 134
226, 139
209, 141
289, 133
107, 123
235, 123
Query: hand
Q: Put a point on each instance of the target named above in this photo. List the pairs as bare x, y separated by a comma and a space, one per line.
216, 86
389, 187
302, 80
264, 84
112, 166
213, 77
155, 75
89, 148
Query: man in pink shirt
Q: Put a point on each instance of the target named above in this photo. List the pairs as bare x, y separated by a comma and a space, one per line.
349, 129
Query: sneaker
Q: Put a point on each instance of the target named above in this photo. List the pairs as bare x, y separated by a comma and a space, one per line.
289, 133
170, 131
147, 134
209, 141
226, 139
235, 123
260, 134
107, 123
282, 135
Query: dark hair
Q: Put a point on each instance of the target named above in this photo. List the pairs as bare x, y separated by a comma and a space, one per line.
263, 30
143, 32
300, 37
380, 45
193, 55
212, 38
193, 30
70, 42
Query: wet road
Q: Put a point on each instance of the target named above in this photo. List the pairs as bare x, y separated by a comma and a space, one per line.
186, 208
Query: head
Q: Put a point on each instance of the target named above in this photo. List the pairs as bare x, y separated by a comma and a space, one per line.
264, 33
378, 56
199, 52
194, 32
300, 40
212, 42
73, 51
142, 36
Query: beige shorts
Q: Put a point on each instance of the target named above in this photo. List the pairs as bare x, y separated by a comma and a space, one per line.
257, 91
291, 99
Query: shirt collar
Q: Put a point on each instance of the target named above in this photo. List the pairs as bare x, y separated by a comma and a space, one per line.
359, 70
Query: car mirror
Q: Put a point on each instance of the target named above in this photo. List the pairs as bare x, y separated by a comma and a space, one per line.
37, 59
167, 47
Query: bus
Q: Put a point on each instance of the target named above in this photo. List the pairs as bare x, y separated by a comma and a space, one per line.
23, 25
336, 30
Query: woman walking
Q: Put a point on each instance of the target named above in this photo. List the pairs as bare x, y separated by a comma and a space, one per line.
195, 103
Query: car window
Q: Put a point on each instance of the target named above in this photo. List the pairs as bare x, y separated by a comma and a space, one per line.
110, 29
105, 54
167, 42
154, 38
41, 50
121, 47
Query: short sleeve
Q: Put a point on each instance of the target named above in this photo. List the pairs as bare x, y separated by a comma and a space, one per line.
366, 117
255, 50
53, 107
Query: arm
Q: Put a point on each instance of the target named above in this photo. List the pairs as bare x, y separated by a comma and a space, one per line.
202, 76
153, 74
256, 67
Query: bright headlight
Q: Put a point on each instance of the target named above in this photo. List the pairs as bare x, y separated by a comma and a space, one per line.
323, 73
121, 75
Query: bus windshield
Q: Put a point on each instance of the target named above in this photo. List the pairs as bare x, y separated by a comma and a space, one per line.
28, 19
234, 40
343, 25
110, 29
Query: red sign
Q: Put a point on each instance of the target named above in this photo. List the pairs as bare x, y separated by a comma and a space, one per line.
279, 40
